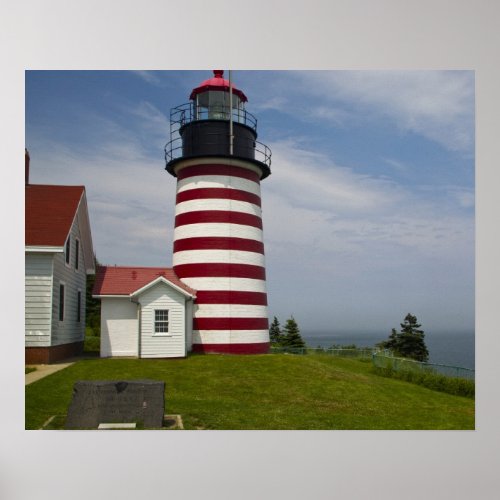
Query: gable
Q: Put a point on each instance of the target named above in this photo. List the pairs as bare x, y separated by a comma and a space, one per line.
50, 213
162, 291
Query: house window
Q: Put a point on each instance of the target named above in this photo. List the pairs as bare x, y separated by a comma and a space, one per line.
61, 302
67, 250
79, 306
161, 321
77, 253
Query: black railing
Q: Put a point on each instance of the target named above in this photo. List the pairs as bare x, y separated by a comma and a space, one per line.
251, 149
189, 112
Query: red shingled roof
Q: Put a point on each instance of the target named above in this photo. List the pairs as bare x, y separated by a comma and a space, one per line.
114, 280
217, 82
49, 213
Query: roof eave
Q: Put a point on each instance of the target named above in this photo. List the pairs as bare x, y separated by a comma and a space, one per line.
110, 296
43, 249
161, 279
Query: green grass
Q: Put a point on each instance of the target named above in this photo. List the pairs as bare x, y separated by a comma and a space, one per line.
29, 369
277, 391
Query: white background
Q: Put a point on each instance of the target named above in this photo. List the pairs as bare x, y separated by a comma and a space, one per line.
270, 34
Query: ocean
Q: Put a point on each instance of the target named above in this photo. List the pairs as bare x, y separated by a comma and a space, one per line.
455, 349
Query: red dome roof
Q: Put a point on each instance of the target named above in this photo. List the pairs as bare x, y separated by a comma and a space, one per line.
217, 83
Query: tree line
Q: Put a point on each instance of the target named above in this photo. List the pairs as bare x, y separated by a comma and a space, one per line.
408, 342
289, 336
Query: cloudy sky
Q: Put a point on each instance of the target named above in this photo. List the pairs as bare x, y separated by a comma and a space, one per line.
368, 213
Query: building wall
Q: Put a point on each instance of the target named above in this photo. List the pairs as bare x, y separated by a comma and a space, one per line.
189, 325
52, 354
119, 327
38, 299
172, 344
219, 251
69, 330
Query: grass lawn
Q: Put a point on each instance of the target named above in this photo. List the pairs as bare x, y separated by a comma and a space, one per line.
276, 391
29, 369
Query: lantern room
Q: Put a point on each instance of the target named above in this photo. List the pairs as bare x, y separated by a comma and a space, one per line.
213, 99
215, 123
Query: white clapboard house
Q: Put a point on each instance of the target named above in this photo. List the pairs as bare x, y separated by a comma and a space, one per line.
58, 257
146, 312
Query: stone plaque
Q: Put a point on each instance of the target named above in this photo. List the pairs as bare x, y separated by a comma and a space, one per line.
116, 401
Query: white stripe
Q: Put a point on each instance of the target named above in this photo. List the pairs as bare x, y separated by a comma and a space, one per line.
218, 204
230, 336
220, 256
229, 311
223, 229
218, 181
226, 283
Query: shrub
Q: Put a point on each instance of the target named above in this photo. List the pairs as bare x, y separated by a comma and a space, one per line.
92, 344
431, 380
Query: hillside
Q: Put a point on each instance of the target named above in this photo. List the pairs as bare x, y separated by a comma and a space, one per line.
266, 392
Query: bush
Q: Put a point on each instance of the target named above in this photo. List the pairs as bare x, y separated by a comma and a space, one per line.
431, 380
92, 344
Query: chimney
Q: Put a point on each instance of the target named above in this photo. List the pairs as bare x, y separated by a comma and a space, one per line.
26, 167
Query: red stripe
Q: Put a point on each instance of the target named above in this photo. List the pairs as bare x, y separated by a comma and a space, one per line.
217, 193
214, 169
227, 216
231, 297
218, 243
257, 348
220, 270
230, 324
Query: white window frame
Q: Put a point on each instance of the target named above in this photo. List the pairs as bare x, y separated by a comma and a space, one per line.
67, 252
167, 321
63, 284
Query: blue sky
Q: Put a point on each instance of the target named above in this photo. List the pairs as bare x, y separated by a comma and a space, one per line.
368, 213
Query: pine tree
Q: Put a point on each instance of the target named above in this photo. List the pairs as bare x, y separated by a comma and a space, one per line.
391, 343
291, 337
93, 306
275, 334
409, 342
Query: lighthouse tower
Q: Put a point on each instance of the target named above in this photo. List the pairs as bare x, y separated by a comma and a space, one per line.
218, 240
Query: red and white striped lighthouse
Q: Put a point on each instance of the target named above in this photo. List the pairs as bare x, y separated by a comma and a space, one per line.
218, 238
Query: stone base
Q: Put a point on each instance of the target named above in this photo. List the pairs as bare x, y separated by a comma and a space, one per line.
52, 354
116, 401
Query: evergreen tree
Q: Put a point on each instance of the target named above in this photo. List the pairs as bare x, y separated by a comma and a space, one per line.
275, 334
391, 343
409, 342
92, 306
291, 337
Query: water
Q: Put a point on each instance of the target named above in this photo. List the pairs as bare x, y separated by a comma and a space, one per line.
456, 349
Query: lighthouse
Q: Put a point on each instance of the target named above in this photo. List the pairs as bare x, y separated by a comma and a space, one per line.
218, 235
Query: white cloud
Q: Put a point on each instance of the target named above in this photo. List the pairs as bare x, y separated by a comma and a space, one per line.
397, 165
151, 118
311, 179
148, 76
314, 207
130, 197
436, 104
